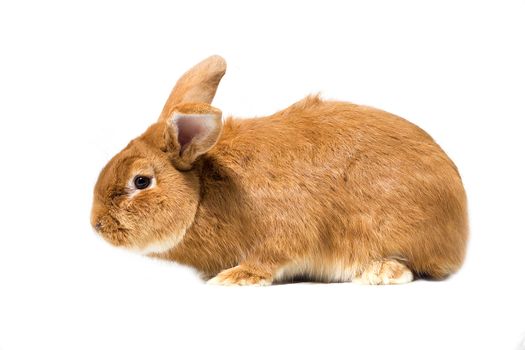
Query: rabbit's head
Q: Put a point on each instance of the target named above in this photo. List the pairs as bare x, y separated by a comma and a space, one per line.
147, 195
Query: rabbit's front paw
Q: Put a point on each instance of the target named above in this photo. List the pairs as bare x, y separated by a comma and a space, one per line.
241, 276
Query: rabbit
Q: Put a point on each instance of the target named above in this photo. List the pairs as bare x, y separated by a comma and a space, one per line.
323, 190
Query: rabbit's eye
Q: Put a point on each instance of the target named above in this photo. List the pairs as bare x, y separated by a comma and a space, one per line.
141, 182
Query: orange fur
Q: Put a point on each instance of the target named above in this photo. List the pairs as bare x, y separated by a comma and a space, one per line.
323, 189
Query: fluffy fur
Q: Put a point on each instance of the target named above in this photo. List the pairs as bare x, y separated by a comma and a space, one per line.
326, 190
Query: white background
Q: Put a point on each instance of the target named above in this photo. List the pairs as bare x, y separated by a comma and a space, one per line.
80, 80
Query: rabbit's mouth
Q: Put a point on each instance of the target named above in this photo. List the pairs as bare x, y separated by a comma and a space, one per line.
111, 229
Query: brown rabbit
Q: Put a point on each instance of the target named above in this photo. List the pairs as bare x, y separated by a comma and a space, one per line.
326, 190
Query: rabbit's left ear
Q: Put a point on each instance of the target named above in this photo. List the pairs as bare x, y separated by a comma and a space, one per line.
197, 85
192, 130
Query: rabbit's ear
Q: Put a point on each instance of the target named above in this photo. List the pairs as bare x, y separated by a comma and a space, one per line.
197, 85
192, 130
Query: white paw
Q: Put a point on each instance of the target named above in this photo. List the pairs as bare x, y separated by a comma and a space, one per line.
237, 276
385, 272
241, 282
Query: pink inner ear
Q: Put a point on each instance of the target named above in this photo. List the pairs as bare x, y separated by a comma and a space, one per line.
189, 128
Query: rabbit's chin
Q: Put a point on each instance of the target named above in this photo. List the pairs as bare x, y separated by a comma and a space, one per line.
160, 246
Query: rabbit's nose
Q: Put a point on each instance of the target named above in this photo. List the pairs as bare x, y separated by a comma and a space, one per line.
98, 226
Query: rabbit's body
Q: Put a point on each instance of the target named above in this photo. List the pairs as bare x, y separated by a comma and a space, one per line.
330, 191
323, 190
